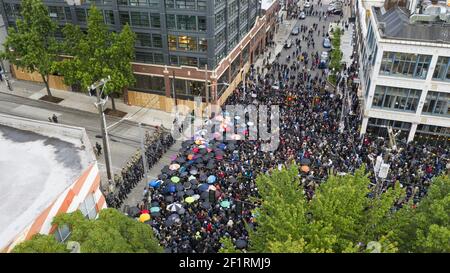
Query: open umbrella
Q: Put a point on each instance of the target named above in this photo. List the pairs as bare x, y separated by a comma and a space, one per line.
165, 169
156, 214
212, 179
237, 117
206, 205
155, 209
181, 194
155, 183
181, 160
196, 196
204, 195
179, 187
222, 146
236, 137
193, 182
203, 177
187, 185
305, 168
168, 223
169, 199
190, 156
175, 179
219, 157
305, 161
134, 211
144, 217
191, 178
174, 167
183, 174
241, 244
211, 188
250, 123
190, 192
171, 188
189, 200
225, 204
174, 217
174, 207
193, 171
181, 211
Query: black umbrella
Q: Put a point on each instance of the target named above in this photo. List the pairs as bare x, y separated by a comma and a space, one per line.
232, 180
190, 192
203, 151
200, 165
187, 185
165, 169
169, 223
156, 214
194, 186
169, 199
206, 205
174, 217
171, 172
134, 211
187, 143
179, 187
204, 195
305, 161
231, 147
184, 174
193, 181
181, 160
203, 177
155, 204
181, 193
241, 244
199, 159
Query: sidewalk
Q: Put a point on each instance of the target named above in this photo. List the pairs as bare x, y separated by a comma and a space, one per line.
82, 101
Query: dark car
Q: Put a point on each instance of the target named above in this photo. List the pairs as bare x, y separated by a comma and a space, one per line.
295, 31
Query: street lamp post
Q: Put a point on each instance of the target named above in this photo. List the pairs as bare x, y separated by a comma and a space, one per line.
100, 106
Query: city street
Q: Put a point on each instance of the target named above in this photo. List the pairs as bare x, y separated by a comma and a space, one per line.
124, 137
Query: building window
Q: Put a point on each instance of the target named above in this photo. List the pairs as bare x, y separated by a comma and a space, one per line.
221, 87
405, 64
171, 23
395, 98
88, 208
143, 39
202, 45
81, 15
56, 13
124, 17
235, 66
68, 14
188, 61
202, 23
158, 58
245, 54
187, 43
437, 103
109, 17
442, 70
172, 41
156, 20
62, 233
173, 60
186, 22
151, 84
157, 40
139, 19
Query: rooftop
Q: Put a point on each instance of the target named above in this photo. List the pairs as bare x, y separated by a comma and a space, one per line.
397, 26
34, 170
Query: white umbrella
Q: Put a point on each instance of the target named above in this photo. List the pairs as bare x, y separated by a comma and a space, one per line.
196, 196
250, 123
174, 207
174, 167
237, 117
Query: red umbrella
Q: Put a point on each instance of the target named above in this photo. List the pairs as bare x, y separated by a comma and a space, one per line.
196, 150
145, 211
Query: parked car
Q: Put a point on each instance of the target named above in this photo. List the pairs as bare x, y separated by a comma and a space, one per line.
326, 43
323, 64
288, 44
295, 31
302, 15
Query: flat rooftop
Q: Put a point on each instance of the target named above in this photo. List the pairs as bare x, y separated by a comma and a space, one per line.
34, 170
398, 26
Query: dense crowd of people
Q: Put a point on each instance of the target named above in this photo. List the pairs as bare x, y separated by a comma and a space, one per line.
204, 194
155, 145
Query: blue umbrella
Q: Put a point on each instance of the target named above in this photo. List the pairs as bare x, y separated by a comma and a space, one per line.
154, 183
211, 179
155, 209
222, 146
172, 188
203, 187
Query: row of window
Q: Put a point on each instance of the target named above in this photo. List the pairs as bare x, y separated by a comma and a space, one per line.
154, 4
188, 61
140, 19
403, 99
150, 58
186, 22
413, 65
149, 40
187, 43
199, 5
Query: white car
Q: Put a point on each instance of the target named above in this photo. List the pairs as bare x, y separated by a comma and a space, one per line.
307, 4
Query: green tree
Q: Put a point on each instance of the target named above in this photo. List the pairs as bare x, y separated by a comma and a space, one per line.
228, 246
426, 227
40, 244
112, 232
340, 218
97, 54
336, 55
32, 46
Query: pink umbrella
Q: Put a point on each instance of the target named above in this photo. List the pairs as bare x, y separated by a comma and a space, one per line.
173, 157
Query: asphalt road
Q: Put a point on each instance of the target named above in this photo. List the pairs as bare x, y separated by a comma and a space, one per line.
309, 21
124, 137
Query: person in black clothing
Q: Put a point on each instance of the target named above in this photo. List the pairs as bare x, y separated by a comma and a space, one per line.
99, 148
55, 118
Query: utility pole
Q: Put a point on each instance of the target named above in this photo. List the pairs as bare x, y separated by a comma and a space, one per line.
100, 105
144, 157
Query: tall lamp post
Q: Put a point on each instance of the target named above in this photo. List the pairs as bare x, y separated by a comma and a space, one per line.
100, 104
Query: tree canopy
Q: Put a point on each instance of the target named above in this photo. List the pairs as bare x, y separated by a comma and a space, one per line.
32, 45
112, 232
97, 54
344, 217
